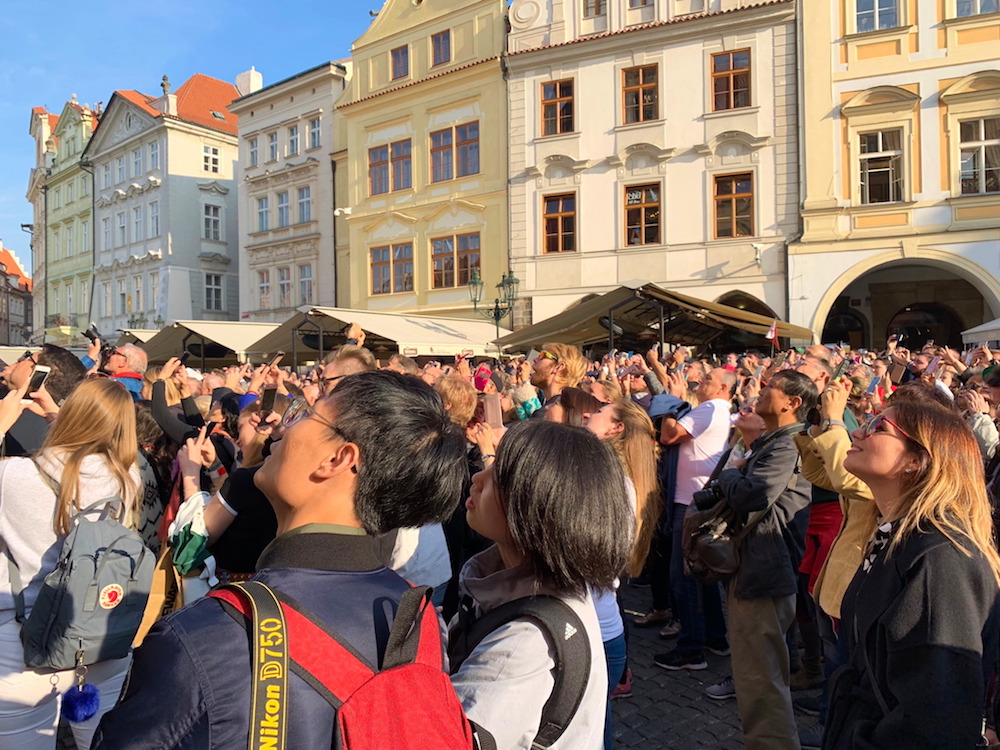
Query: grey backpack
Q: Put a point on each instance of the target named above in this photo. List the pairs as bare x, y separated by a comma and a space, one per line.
90, 606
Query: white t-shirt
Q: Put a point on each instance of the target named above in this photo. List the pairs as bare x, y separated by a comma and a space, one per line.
708, 425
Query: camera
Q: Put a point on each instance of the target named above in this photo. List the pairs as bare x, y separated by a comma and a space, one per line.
706, 498
92, 333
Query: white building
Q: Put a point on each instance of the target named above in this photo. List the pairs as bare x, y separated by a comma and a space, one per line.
165, 206
652, 140
288, 192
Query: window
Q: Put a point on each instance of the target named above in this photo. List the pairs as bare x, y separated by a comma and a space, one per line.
69, 242
733, 206
400, 62
154, 219
154, 155
56, 246
122, 230
639, 3
559, 223
976, 7
252, 159
106, 231
264, 289
378, 170
106, 292
106, 176
305, 284
137, 293
154, 289
467, 138
85, 237
210, 159
85, 185
83, 297
213, 291
392, 269
272, 147
69, 298
557, 107
445, 260
305, 205
877, 14
639, 91
284, 287
441, 156
314, 133
980, 157
293, 140
137, 223
121, 169
70, 197
730, 80
881, 167
213, 222
122, 297
263, 220
284, 212
593, 8
402, 168
137, 162
441, 48
57, 198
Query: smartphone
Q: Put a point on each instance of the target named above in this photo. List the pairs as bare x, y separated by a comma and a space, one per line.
968, 357
210, 427
267, 402
38, 376
492, 411
758, 372
275, 359
930, 342
872, 386
932, 367
896, 373
185, 357
780, 360
841, 369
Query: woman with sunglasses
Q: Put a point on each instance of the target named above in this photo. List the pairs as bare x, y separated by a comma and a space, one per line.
920, 613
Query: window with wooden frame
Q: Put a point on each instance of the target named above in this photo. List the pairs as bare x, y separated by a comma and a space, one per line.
642, 215
639, 3
455, 152
873, 15
559, 223
381, 266
400, 62
730, 80
442, 166
441, 48
392, 269
881, 167
445, 260
557, 107
378, 170
733, 206
980, 156
640, 99
966, 8
402, 165
594, 8
467, 147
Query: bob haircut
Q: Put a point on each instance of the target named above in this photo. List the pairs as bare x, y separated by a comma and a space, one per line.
794, 383
412, 465
563, 491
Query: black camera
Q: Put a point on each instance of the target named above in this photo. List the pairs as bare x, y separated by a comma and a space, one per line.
92, 333
708, 497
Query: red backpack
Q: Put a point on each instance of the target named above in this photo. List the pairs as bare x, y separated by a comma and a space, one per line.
375, 708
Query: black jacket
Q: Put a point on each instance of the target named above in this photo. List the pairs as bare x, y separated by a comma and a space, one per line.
925, 620
772, 551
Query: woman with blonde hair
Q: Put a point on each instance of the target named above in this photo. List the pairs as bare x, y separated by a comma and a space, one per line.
89, 455
920, 614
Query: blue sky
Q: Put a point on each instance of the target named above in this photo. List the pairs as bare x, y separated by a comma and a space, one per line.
49, 52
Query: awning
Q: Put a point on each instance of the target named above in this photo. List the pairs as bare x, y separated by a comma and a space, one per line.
985, 332
635, 309
210, 342
314, 331
136, 335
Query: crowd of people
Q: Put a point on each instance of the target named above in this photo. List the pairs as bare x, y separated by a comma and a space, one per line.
861, 488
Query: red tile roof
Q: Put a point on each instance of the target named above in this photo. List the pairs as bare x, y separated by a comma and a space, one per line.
13, 269
197, 98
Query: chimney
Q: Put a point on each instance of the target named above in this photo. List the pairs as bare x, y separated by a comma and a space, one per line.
249, 82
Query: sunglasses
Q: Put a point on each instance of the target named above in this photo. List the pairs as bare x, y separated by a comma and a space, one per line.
547, 355
873, 426
28, 355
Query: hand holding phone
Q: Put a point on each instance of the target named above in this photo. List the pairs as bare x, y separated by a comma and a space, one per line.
267, 402
38, 377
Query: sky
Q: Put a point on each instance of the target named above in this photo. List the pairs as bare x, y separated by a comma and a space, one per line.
90, 49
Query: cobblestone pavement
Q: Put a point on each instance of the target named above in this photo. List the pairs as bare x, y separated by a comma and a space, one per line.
670, 709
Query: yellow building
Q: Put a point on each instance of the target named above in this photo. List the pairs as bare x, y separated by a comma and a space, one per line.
425, 124
901, 155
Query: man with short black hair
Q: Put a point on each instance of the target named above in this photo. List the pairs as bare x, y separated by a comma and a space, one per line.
378, 453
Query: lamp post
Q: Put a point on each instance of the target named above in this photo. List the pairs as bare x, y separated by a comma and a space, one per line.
503, 303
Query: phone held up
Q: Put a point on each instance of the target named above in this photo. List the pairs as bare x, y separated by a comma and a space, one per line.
38, 376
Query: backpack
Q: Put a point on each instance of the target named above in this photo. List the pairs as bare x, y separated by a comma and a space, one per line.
90, 606
375, 708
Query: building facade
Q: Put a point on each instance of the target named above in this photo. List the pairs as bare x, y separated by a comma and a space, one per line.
41, 127
425, 121
15, 300
652, 141
901, 188
288, 192
165, 206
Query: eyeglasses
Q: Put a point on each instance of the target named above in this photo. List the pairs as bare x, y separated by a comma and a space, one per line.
873, 426
28, 355
547, 355
300, 410
748, 407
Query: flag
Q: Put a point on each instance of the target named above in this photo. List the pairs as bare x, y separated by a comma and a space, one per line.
772, 332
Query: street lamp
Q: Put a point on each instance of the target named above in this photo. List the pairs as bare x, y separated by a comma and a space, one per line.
503, 303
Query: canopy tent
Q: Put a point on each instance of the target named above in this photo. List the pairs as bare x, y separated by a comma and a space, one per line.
314, 331
643, 310
209, 341
985, 332
136, 335
10, 354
